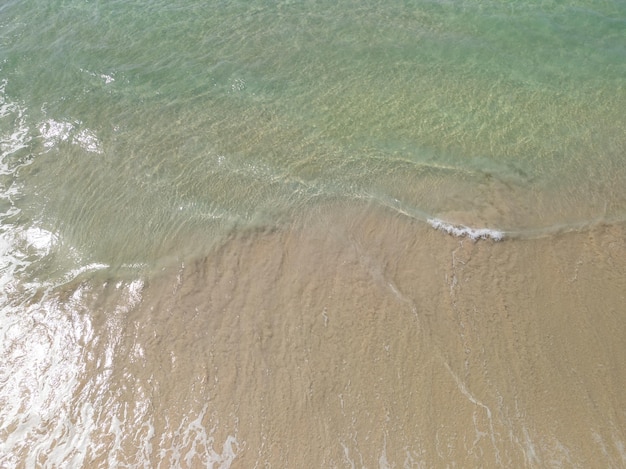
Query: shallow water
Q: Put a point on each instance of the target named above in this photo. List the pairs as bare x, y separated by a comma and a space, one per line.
356, 338
308, 234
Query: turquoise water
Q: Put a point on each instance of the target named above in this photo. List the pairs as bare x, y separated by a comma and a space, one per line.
141, 127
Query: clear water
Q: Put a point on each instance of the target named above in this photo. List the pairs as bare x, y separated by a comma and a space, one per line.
135, 135
132, 129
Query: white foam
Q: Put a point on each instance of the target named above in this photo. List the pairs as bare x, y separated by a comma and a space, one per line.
54, 132
462, 231
42, 240
93, 267
88, 141
106, 78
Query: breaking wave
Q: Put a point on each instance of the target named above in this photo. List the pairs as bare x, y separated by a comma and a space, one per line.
461, 231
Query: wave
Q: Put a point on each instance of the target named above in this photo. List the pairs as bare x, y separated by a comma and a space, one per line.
461, 231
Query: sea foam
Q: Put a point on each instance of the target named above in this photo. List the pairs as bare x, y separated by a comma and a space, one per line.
462, 231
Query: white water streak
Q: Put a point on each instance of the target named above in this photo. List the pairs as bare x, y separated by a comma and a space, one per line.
461, 231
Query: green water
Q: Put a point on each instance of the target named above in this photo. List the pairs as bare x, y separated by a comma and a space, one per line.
150, 129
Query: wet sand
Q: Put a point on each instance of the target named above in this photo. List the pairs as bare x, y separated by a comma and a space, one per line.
358, 337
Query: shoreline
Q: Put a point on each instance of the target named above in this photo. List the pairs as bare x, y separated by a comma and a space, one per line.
351, 336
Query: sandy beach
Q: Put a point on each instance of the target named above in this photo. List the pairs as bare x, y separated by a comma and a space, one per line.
358, 337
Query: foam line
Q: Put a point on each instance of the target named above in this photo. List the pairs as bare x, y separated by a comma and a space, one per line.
493, 234
461, 231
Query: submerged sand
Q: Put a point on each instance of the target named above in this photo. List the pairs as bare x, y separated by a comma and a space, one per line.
359, 337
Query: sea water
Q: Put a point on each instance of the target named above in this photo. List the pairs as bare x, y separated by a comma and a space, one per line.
137, 138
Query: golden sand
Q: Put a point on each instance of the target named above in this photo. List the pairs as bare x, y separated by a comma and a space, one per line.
357, 337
